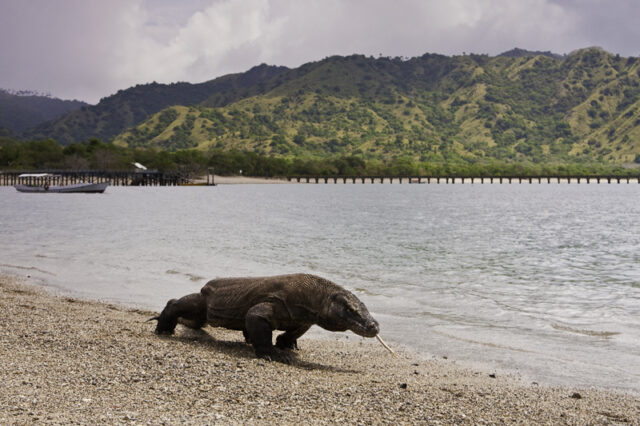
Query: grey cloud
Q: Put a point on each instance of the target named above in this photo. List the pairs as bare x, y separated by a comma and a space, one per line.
87, 49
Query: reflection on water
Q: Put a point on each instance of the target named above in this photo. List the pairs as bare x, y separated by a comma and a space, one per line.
538, 279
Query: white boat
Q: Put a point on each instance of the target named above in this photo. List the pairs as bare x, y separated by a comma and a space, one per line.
45, 183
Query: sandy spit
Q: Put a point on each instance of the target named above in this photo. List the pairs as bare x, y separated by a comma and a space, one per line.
238, 180
69, 361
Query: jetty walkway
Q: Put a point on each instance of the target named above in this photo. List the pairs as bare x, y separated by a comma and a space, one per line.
67, 177
464, 179
154, 178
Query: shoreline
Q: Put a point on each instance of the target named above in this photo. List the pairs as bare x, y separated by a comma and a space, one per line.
70, 360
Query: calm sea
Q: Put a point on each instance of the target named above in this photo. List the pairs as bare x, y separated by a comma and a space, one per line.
537, 279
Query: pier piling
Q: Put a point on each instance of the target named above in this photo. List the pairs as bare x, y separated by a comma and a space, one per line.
461, 179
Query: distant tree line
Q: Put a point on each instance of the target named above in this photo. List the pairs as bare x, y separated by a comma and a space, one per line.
98, 155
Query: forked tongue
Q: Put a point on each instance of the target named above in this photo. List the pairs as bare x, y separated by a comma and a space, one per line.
385, 345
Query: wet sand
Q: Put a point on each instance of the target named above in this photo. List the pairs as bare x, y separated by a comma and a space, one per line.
66, 360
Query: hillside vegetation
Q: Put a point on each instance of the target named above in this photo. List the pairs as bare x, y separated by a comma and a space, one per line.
48, 155
129, 107
19, 112
517, 107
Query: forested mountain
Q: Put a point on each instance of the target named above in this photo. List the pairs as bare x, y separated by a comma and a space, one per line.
518, 106
22, 110
129, 107
519, 53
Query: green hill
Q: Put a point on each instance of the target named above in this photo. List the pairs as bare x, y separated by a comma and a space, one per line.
129, 107
519, 106
514, 107
19, 112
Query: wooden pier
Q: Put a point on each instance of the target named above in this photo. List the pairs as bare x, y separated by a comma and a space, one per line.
66, 177
150, 178
464, 179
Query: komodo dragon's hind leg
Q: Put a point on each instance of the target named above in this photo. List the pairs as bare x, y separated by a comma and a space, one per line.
190, 310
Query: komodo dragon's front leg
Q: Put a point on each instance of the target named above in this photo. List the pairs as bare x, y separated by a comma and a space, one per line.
260, 322
289, 339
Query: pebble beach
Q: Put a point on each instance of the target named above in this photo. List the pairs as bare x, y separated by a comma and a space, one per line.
71, 361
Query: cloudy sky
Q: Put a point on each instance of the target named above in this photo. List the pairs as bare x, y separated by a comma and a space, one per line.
88, 49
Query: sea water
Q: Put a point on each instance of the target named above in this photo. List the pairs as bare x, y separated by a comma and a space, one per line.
541, 280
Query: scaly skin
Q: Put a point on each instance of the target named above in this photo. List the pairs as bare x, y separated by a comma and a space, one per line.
257, 306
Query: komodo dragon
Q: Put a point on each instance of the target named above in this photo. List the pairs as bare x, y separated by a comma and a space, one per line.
257, 306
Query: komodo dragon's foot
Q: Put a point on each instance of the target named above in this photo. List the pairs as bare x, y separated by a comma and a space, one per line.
284, 357
283, 343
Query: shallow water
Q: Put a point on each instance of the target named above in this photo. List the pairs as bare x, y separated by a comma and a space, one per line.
540, 279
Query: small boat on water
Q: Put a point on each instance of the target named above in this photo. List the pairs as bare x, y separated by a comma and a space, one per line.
46, 183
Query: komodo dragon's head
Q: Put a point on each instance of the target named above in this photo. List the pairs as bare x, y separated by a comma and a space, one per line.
346, 312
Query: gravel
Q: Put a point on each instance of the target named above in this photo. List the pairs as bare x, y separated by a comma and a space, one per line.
70, 361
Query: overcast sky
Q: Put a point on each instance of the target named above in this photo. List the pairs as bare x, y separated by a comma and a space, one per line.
88, 49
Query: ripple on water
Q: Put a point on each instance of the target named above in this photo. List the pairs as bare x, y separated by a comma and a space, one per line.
586, 332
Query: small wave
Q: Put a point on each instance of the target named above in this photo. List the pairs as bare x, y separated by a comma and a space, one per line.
192, 277
366, 291
477, 342
27, 268
584, 331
